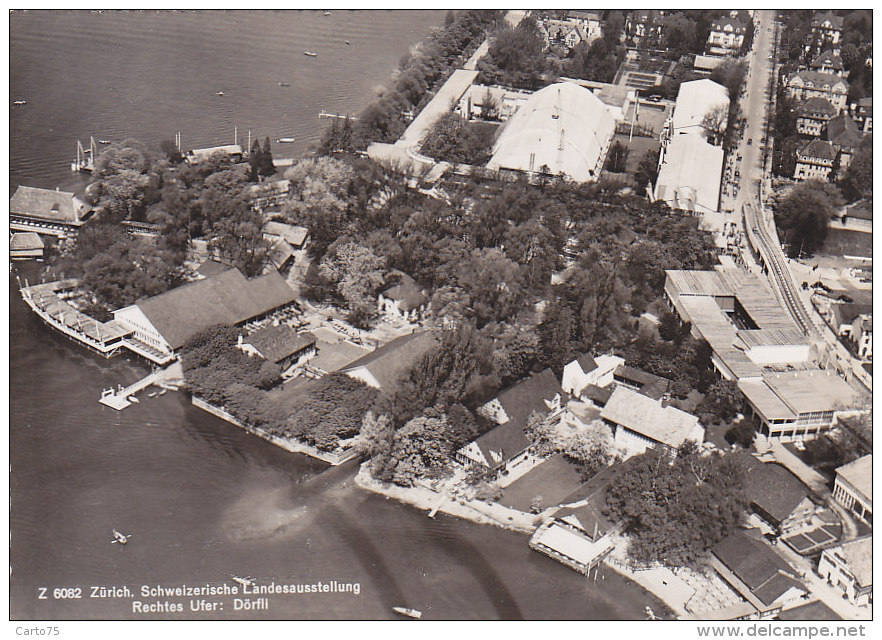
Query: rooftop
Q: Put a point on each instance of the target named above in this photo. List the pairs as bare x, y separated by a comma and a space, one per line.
843, 131
820, 18
817, 105
859, 474
812, 390
817, 79
25, 241
394, 359
646, 416
756, 565
859, 556
277, 342
406, 292
294, 234
817, 149
827, 59
530, 395
563, 127
223, 298
49, 204
502, 443
333, 356
696, 99
773, 489
690, 176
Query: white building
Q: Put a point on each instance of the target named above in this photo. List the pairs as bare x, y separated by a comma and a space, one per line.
561, 130
695, 100
641, 423
854, 487
491, 102
849, 568
586, 370
690, 175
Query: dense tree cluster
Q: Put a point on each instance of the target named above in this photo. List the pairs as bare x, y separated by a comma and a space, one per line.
454, 139
332, 410
804, 214
675, 512
857, 180
517, 58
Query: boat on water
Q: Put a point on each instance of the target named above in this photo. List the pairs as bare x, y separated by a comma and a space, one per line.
286, 140
102, 141
326, 13
133, 399
347, 42
311, 54
218, 93
284, 84
120, 538
163, 392
407, 611
152, 394
19, 102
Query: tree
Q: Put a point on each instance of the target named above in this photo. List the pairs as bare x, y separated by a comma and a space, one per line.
714, 122
618, 158
420, 449
675, 512
171, 151
266, 166
255, 161
857, 181
374, 439
319, 199
358, 273
804, 215
647, 169
238, 240
723, 400
454, 139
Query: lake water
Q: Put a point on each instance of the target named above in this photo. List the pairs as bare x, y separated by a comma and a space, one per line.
204, 500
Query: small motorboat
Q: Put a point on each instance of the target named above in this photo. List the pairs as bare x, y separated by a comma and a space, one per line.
407, 611
103, 141
152, 394
326, 13
218, 93
133, 399
19, 102
284, 84
247, 581
120, 538
286, 140
347, 42
163, 392
311, 54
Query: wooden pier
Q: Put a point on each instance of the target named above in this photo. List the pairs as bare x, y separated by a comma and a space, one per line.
119, 398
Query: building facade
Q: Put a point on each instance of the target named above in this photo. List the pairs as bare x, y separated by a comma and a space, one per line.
854, 488
814, 114
815, 161
848, 567
803, 85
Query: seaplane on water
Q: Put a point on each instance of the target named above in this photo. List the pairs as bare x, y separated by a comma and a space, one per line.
218, 93
120, 538
247, 581
407, 611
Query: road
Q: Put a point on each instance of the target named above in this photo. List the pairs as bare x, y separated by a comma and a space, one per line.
760, 225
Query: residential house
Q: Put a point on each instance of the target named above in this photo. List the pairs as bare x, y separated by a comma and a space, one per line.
640, 423
862, 336
863, 114
849, 567
383, 368
777, 496
644, 23
25, 245
162, 324
505, 448
814, 610
585, 371
591, 23
828, 62
814, 114
47, 211
854, 487
792, 405
405, 300
757, 573
827, 27
644, 383
269, 194
279, 344
815, 161
294, 235
841, 317
281, 255
803, 85
727, 34
567, 33
843, 134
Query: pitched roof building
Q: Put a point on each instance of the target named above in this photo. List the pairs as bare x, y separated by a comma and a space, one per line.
803, 85
562, 130
760, 575
279, 344
25, 245
776, 495
642, 423
168, 320
827, 62
827, 26
695, 100
383, 368
690, 175
814, 114
47, 211
814, 161
849, 567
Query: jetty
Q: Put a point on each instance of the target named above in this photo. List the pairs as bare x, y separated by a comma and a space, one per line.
119, 398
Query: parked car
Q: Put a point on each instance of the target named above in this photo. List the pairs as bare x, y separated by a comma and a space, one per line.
750, 141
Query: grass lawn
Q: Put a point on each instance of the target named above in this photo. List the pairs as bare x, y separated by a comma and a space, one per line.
554, 480
291, 394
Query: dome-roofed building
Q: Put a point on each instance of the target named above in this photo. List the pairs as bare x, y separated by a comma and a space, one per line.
562, 129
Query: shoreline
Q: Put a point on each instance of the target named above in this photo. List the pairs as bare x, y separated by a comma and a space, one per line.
288, 444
